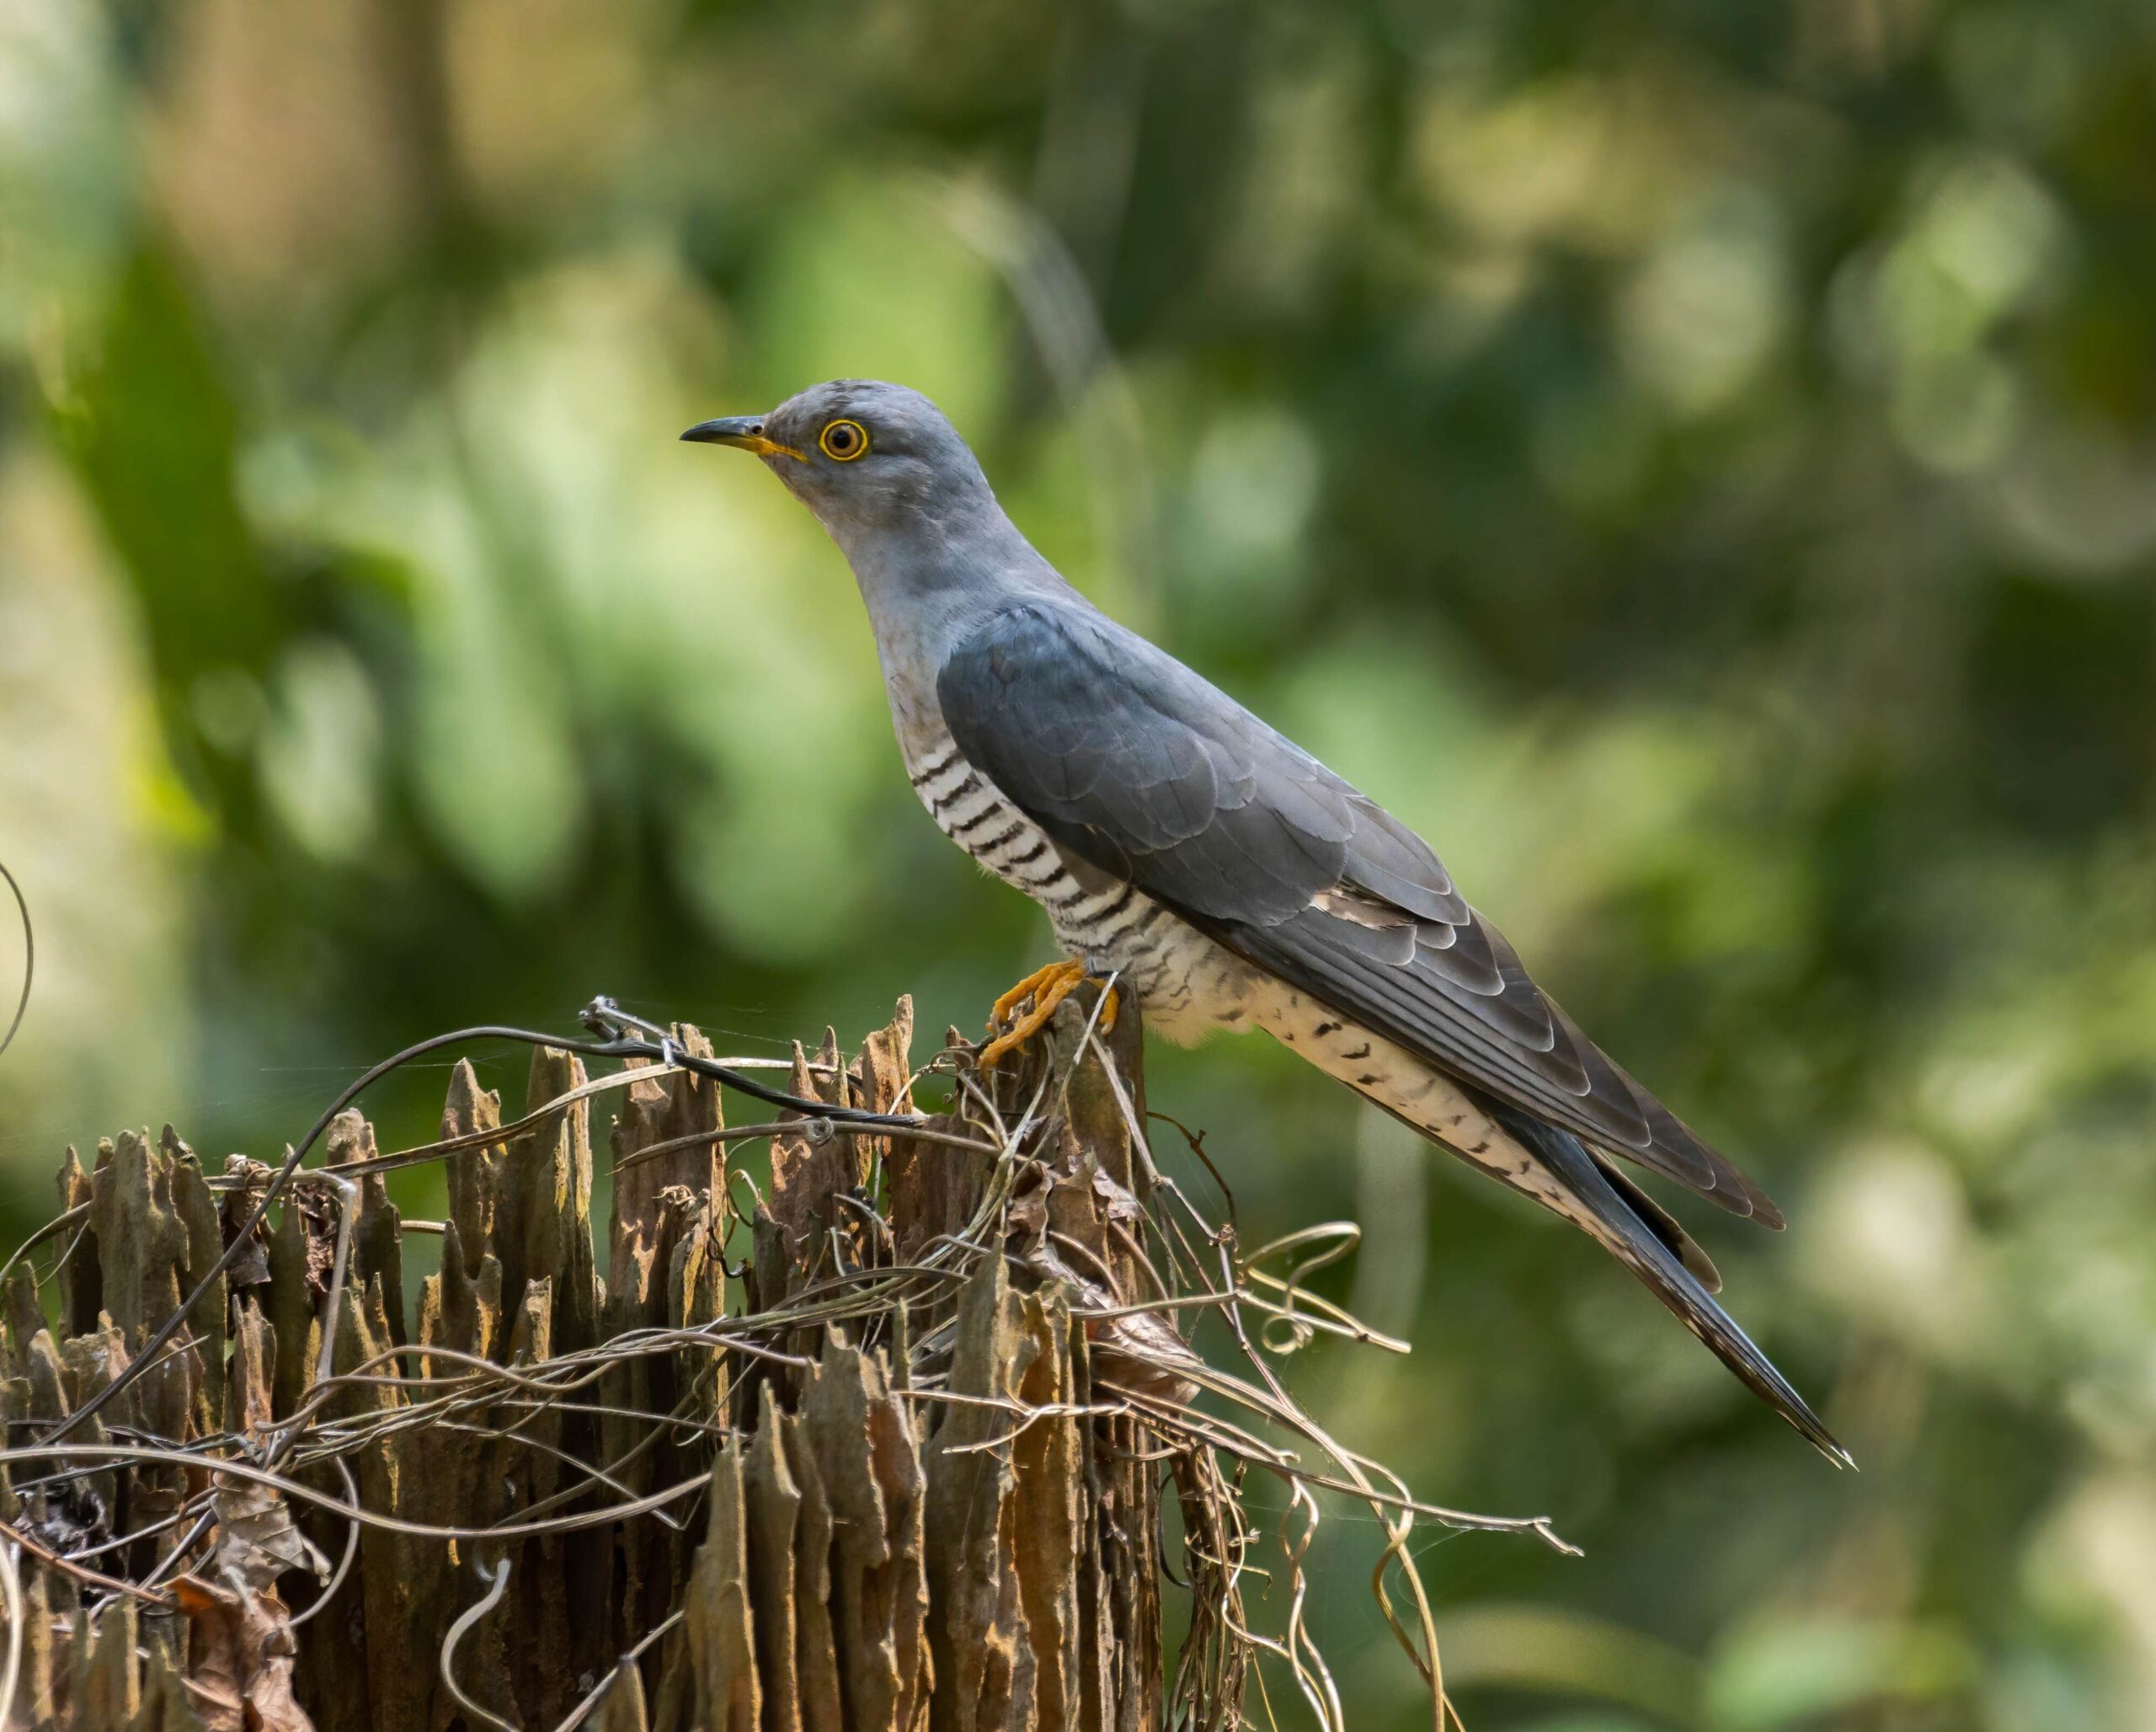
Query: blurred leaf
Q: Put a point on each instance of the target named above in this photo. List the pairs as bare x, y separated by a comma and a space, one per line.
1552, 1651
867, 280
153, 432
1781, 1673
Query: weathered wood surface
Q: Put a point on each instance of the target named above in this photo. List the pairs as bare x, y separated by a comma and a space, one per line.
898, 1517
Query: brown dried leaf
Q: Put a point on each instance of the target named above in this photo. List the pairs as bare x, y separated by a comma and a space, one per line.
241, 1648
318, 1216
1137, 1350
251, 1267
256, 1538
1141, 1353
1027, 1216
1121, 1205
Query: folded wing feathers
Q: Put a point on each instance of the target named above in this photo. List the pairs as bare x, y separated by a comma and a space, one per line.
1137, 764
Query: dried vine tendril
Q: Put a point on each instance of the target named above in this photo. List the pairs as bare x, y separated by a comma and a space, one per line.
30, 956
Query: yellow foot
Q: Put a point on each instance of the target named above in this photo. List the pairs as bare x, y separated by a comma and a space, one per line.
1065, 971
1047, 987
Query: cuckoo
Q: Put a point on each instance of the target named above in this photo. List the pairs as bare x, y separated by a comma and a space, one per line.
1194, 856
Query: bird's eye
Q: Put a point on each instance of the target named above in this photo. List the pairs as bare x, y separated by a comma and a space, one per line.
844, 441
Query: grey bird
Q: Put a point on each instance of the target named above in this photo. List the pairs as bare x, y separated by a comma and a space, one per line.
1212, 866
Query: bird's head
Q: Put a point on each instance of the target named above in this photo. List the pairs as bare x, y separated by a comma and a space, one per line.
865, 456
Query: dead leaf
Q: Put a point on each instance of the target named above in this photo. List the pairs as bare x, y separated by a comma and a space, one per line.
1140, 1351
257, 1539
1137, 1350
240, 1659
251, 1267
318, 1216
1027, 1216
1121, 1205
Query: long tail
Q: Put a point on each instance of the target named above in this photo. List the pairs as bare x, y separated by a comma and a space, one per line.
1631, 1237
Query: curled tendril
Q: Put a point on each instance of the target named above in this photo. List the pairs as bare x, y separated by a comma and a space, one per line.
30, 957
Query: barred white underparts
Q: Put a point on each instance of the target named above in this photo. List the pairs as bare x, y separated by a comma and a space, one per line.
1176, 972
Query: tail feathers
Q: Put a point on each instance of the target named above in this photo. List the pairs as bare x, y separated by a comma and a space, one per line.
1613, 1214
1664, 1226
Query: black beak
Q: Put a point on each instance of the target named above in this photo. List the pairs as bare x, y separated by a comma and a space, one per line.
743, 433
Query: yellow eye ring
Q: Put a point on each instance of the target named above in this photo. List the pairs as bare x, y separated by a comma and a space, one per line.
842, 441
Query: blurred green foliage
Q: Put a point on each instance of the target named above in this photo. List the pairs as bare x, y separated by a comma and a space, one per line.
1699, 464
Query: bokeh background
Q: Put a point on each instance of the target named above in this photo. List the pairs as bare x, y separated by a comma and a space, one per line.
1697, 463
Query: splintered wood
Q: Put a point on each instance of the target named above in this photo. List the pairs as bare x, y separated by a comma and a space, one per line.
855, 1451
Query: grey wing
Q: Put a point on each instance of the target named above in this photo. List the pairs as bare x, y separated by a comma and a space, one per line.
1136, 765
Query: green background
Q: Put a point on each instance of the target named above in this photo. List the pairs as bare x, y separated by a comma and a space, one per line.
1696, 462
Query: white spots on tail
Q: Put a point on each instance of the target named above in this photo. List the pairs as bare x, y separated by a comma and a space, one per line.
1391, 1078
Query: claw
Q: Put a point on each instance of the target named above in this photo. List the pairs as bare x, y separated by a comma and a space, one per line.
1047, 987
1033, 983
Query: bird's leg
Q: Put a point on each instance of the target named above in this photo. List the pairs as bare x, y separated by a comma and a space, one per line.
1047, 987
